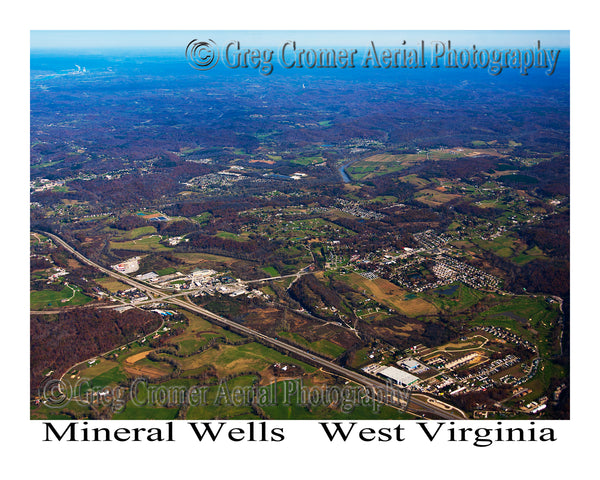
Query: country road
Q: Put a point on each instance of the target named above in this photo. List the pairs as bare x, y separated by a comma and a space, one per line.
421, 405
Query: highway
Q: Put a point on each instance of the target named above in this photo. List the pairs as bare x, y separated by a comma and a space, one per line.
420, 405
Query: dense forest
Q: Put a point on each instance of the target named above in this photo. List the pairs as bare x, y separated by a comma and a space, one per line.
72, 336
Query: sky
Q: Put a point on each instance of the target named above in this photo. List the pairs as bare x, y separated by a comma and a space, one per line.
166, 39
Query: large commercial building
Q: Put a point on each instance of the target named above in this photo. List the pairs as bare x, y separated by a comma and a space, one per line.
148, 277
410, 364
402, 378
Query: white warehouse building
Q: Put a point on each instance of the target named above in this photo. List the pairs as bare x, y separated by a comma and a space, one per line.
402, 378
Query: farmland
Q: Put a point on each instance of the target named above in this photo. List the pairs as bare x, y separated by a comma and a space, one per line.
111, 284
150, 243
391, 296
68, 296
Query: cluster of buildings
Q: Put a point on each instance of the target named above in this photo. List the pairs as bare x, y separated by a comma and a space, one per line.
413, 366
507, 336
536, 407
452, 373
132, 294
58, 272
484, 377
202, 161
405, 376
369, 275
201, 282
298, 176
204, 282
221, 179
530, 372
406, 267
494, 367
148, 277
128, 266
360, 145
497, 233
354, 208
42, 184
459, 362
429, 239
449, 270
393, 374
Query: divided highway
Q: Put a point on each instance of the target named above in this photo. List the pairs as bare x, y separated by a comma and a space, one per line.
419, 405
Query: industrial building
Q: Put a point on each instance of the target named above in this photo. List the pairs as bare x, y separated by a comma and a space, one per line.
149, 277
403, 379
409, 364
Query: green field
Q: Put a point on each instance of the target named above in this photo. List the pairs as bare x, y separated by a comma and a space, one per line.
271, 271
192, 345
386, 293
383, 199
144, 244
220, 402
531, 318
322, 346
297, 229
291, 406
361, 358
510, 247
37, 238
434, 197
308, 160
133, 412
202, 259
135, 233
198, 326
278, 401
46, 164
43, 299
463, 298
233, 236
111, 284
41, 411
229, 360
415, 180
111, 377
362, 171
203, 218
528, 256
166, 271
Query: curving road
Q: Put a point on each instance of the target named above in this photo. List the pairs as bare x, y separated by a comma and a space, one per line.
420, 405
